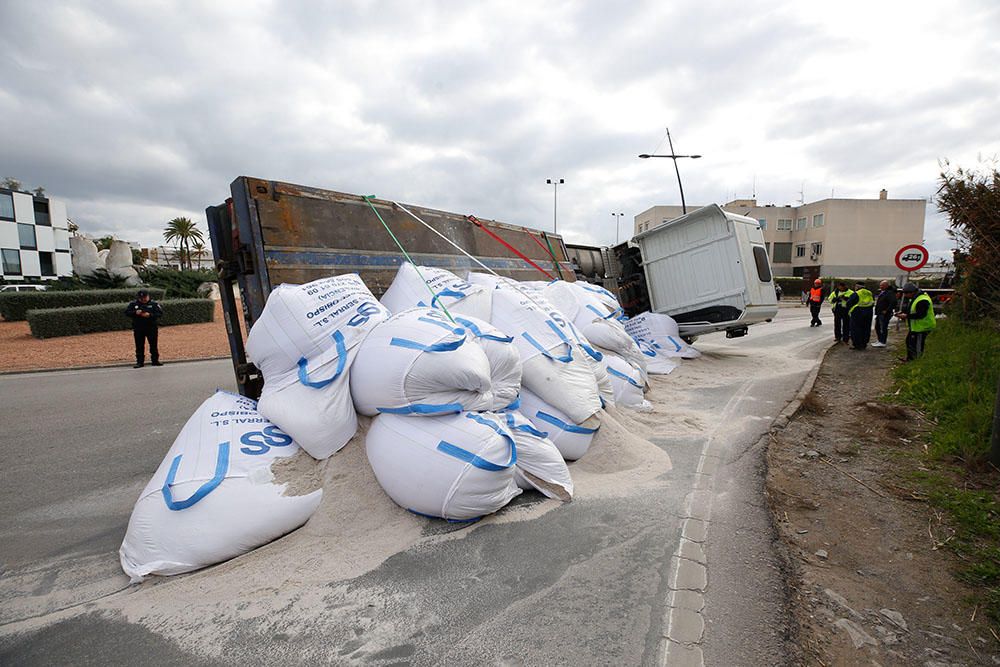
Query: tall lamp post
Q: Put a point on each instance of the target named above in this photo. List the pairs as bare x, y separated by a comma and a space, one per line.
674, 157
555, 183
618, 220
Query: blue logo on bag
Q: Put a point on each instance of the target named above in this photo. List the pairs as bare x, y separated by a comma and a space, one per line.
365, 311
260, 442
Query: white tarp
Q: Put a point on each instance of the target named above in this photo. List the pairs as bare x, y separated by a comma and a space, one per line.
662, 331
551, 355
419, 363
215, 496
540, 465
505, 360
457, 467
408, 290
572, 440
304, 343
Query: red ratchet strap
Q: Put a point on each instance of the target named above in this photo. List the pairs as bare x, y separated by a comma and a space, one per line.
477, 223
547, 251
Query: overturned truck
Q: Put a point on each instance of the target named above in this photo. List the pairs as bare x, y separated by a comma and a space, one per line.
269, 232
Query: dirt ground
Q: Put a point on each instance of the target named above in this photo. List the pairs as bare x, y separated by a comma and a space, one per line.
868, 578
20, 351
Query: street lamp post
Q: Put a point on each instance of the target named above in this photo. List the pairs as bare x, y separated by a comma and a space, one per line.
555, 182
618, 220
674, 157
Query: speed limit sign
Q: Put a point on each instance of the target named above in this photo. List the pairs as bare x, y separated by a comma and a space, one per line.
912, 257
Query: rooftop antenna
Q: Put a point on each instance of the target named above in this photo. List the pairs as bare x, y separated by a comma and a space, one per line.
802, 194
754, 193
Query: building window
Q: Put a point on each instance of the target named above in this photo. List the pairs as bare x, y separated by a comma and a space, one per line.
42, 214
817, 249
763, 223
784, 225
11, 262
800, 251
800, 223
767, 244
47, 263
6, 206
763, 268
818, 220
26, 236
782, 253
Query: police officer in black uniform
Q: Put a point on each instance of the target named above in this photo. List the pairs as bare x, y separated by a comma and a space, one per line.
145, 314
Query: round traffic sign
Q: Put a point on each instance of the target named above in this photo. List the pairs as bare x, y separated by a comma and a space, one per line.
912, 257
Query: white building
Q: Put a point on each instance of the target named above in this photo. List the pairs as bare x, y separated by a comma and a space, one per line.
34, 237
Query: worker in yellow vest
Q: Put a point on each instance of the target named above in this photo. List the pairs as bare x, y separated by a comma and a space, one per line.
919, 316
860, 306
841, 321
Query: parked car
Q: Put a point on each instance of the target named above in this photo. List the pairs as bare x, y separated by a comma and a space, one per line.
23, 288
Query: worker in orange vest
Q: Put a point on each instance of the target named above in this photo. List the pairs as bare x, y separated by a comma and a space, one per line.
816, 302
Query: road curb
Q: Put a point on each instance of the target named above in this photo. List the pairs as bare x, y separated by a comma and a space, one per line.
781, 421
123, 364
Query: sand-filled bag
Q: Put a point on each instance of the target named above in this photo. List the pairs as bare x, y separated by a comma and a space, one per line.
419, 363
572, 440
627, 382
304, 343
456, 467
505, 360
231, 482
662, 330
540, 464
431, 287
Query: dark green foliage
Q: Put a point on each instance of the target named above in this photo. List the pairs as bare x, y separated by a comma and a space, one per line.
177, 284
104, 279
15, 305
111, 317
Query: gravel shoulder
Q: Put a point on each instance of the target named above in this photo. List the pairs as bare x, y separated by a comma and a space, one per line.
869, 580
20, 351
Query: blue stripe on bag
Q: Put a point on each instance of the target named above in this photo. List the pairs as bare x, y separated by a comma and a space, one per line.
555, 421
435, 347
447, 292
479, 334
481, 463
565, 359
676, 344
527, 428
624, 377
515, 404
424, 409
431, 516
444, 325
338, 338
221, 467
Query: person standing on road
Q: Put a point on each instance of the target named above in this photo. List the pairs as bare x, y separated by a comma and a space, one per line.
919, 320
816, 302
841, 320
859, 309
777, 291
145, 314
885, 307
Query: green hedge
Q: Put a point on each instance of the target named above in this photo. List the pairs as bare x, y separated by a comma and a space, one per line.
15, 305
51, 323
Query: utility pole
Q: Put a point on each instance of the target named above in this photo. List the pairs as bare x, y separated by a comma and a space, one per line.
555, 183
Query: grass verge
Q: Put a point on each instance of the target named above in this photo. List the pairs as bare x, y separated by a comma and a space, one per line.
954, 384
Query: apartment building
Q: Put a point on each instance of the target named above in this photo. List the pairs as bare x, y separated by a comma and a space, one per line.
831, 237
34, 237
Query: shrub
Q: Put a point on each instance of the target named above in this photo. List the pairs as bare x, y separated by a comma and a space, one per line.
15, 305
177, 284
52, 323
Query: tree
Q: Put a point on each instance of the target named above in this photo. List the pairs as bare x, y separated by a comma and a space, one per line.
39, 192
11, 183
183, 231
198, 248
104, 243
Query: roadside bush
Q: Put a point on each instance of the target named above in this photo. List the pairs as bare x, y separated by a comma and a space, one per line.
955, 382
177, 284
15, 305
111, 317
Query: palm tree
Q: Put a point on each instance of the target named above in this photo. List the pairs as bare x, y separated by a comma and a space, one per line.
183, 231
198, 248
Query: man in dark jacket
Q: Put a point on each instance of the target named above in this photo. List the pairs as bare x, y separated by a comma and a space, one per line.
885, 307
145, 314
859, 309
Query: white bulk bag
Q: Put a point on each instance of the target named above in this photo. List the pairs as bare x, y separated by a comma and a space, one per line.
304, 343
581, 302
656, 363
551, 356
455, 467
540, 465
505, 360
408, 290
662, 330
214, 496
417, 362
572, 440
627, 382
611, 335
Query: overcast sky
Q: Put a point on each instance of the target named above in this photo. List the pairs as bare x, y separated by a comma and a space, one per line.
135, 113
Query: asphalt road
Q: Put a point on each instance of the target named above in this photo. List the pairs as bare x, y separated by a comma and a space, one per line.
606, 580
